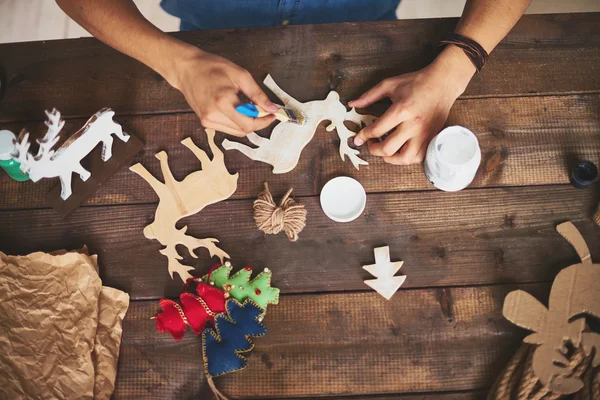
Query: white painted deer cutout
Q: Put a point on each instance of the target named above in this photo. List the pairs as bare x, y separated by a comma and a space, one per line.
283, 148
575, 294
67, 159
179, 199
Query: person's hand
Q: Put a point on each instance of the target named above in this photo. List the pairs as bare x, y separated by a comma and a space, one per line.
211, 85
421, 102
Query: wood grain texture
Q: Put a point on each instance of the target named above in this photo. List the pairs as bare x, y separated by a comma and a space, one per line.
462, 395
337, 344
543, 54
445, 239
524, 141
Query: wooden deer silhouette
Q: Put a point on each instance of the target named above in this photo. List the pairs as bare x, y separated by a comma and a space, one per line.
575, 293
66, 160
179, 199
282, 150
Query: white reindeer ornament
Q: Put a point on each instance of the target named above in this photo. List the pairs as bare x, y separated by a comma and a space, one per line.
282, 150
66, 160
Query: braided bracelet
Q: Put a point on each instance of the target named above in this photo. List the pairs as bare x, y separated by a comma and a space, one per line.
472, 49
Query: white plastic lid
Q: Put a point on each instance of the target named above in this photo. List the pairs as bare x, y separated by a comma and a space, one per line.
6, 144
343, 199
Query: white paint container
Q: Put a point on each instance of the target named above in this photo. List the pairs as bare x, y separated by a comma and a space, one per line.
452, 159
343, 199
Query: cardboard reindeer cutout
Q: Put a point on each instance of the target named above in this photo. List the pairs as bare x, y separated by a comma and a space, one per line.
179, 199
66, 160
283, 148
575, 294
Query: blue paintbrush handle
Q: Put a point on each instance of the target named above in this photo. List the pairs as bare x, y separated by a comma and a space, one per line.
249, 110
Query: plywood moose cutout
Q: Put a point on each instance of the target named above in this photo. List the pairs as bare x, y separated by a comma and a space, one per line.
65, 161
179, 199
283, 148
575, 293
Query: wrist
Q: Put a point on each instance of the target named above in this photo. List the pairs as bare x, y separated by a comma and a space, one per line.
175, 58
454, 64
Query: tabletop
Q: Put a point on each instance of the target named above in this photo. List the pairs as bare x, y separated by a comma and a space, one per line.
535, 109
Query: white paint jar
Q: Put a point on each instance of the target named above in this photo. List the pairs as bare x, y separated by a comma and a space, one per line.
452, 159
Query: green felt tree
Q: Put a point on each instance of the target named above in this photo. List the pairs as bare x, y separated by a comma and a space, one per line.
258, 289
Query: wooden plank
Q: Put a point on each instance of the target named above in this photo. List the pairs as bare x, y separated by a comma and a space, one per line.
544, 54
463, 395
445, 239
524, 141
337, 345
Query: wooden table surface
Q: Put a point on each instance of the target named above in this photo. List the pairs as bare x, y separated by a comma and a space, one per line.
535, 109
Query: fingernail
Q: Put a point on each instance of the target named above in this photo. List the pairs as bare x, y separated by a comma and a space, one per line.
272, 107
358, 141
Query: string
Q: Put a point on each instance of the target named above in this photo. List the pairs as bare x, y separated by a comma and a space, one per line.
270, 218
218, 394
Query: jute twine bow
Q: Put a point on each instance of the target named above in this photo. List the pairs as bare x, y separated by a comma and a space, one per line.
289, 216
518, 382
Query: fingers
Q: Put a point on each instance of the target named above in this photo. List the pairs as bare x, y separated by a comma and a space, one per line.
248, 124
218, 121
392, 143
413, 152
251, 89
377, 92
224, 128
388, 121
226, 103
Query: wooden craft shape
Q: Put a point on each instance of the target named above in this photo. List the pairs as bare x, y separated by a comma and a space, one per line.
66, 160
179, 199
575, 293
384, 270
123, 153
283, 148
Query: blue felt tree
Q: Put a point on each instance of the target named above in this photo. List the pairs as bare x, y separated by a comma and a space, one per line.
223, 346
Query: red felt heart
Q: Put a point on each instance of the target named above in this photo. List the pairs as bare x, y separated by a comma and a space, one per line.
195, 311
214, 298
171, 319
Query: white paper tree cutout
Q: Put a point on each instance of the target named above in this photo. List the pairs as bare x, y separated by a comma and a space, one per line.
283, 148
384, 270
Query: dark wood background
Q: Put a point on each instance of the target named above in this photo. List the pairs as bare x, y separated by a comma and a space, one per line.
535, 109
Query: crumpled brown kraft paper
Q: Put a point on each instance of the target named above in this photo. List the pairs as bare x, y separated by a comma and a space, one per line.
112, 306
60, 330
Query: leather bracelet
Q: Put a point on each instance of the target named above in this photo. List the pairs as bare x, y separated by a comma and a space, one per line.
471, 48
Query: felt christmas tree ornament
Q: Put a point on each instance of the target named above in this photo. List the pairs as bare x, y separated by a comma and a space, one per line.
240, 286
194, 311
223, 347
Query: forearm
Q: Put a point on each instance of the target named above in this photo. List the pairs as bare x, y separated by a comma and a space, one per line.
489, 21
485, 21
119, 24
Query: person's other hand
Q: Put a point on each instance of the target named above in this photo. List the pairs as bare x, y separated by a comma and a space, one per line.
211, 85
421, 102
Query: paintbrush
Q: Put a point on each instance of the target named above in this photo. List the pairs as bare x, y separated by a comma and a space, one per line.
283, 114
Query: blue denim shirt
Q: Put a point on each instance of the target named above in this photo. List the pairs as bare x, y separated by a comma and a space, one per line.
217, 14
